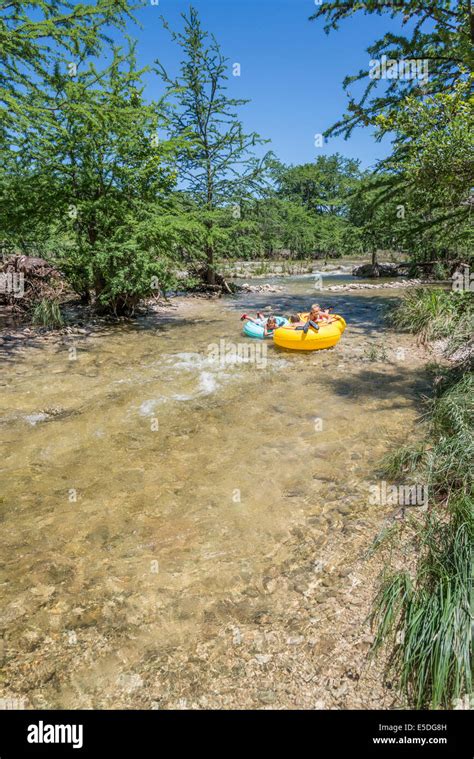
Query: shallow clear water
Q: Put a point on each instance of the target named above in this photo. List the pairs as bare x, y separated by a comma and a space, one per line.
149, 476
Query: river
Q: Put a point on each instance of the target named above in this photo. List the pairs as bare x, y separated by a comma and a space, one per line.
187, 527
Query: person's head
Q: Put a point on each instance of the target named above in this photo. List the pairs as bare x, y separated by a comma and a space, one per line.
294, 318
315, 309
271, 322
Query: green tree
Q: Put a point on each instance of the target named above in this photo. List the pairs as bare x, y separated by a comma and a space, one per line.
322, 192
322, 186
217, 163
420, 198
432, 167
104, 173
37, 35
440, 33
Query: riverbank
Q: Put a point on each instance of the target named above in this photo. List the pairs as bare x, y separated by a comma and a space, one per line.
176, 538
399, 284
428, 579
258, 269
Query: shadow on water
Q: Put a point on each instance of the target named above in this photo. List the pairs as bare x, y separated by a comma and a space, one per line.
405, 385
11, 347
15, 346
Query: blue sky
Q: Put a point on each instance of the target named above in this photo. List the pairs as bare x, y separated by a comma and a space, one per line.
290, 69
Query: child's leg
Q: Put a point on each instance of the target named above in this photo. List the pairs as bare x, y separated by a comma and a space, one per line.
310, 324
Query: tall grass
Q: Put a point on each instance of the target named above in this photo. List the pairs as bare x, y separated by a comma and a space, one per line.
423, 616
263, 267
47, 313
451, 460
433, 313
426, 620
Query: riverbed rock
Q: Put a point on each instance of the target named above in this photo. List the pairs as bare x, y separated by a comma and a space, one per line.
377, 270
267, 288
266, 697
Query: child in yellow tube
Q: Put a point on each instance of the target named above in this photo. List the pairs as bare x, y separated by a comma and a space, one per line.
318, 315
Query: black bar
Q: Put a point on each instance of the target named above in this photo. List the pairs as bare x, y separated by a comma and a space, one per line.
154, 733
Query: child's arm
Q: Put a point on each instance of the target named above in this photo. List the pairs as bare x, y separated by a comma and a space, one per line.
323, 316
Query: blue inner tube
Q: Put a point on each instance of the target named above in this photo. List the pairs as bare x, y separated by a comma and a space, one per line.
257, 330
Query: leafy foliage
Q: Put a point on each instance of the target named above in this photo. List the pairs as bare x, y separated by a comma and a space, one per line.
127, 195
423, 192
430, 171
441, 33
38, 36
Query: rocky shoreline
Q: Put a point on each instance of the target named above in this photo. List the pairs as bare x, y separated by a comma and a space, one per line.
267, 288
382, 285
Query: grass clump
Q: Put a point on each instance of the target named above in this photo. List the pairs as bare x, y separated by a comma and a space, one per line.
263, 267
427, 619
406, 460
449, 461
47, 313
376, 353
434, 313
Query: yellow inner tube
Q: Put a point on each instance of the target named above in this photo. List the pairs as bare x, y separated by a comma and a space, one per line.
327, 335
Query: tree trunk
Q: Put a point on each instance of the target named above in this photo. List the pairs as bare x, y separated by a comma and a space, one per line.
210, 271
375, 263
99, 280
210, 274
99, 283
